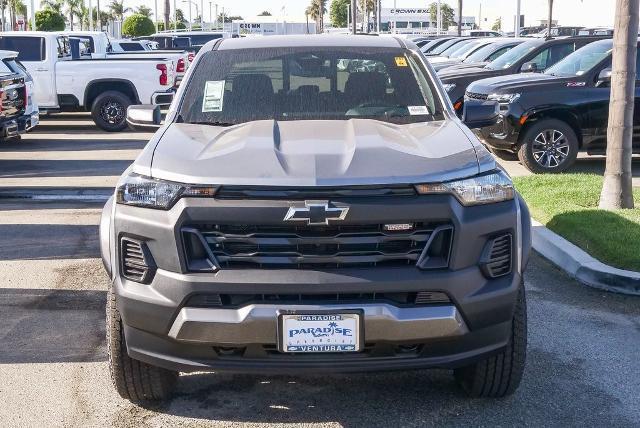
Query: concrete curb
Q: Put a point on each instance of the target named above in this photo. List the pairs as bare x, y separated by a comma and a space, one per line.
580, 265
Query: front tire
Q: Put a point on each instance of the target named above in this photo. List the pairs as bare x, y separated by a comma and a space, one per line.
549, 146
109, 111
500, 375
134, 380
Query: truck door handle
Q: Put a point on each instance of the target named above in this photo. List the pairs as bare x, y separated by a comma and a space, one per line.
42, 69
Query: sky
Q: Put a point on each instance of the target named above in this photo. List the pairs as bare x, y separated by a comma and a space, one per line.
568, 12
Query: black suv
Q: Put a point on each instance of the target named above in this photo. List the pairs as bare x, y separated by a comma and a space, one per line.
547, 118
535, 55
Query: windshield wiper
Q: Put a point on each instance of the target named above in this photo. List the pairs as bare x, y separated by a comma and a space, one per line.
213, 123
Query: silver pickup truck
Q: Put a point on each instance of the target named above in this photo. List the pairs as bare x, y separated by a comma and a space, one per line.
295, 214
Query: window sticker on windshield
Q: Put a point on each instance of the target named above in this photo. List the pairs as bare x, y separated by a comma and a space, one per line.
213, 95
401, 61
417, 110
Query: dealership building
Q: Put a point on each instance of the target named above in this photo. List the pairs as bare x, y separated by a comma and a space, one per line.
415, 20
272, 25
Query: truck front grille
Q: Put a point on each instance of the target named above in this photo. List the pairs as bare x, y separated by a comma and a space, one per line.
333, 246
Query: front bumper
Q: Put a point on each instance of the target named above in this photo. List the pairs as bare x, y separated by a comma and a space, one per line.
162, 328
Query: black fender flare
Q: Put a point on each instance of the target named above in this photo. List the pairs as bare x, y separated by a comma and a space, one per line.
130, 84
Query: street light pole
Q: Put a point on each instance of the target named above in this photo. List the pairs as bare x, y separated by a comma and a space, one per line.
190, 15
175, 16
155, 15
517, 28
90, 15
439, 18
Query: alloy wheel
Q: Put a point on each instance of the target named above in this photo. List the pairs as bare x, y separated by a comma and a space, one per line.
550, 148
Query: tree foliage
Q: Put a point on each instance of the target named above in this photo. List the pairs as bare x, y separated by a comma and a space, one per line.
448, 16
265, 13
497, 25
144, 11
137, 25
49, 20
338, 13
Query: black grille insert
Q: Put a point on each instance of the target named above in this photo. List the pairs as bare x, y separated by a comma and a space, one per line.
332, 246
395, 298
241, 192
136, 261
496, 259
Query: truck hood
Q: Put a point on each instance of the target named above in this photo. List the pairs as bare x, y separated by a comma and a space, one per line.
522, 82
315, 153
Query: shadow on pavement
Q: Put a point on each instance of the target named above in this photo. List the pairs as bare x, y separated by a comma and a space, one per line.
48, 241
52, 326
62, 168
67, 145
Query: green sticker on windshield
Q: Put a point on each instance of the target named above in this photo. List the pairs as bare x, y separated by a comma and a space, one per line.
213, 96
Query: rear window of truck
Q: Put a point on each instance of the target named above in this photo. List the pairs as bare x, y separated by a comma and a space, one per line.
28, 48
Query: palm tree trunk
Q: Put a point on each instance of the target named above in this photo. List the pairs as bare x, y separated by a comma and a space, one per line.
460, 18
167, 13
617, 189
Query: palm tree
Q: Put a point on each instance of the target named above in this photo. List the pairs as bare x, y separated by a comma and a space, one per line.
144, 10
617, 187
16, 7
55, 5
74, 8
167, 13
367, 6
316, 10
117, 9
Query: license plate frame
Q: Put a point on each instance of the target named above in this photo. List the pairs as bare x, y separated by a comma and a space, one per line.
357, 314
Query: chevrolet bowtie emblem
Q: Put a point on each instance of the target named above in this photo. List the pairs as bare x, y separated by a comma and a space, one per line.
316, 213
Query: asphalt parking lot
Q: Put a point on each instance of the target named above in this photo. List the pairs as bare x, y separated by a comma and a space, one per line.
582, 366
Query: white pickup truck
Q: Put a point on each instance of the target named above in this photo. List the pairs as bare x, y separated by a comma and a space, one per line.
101, 47
105, 87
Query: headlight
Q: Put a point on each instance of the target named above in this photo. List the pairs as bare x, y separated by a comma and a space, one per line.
478, 190
504, 98
449, 86
148, 192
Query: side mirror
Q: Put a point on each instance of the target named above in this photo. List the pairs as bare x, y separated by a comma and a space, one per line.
529, 67
604, 77
480, 114
144, 117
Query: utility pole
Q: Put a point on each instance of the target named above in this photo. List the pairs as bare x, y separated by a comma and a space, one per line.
480, 16
155, 15
379, 16
354, 16
217, 23
516, 33
395, 17
201, 15
190, 28
32, 18
550, 18
459, 18
439, 18
90, 16
175, 16
98, 21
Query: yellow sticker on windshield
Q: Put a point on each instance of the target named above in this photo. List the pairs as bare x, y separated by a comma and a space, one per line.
401, 61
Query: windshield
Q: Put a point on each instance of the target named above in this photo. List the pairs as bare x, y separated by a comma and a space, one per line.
432, 45
467, 49
453, 50
236, 86
446, 45
482, 54
582, 60
514, 55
